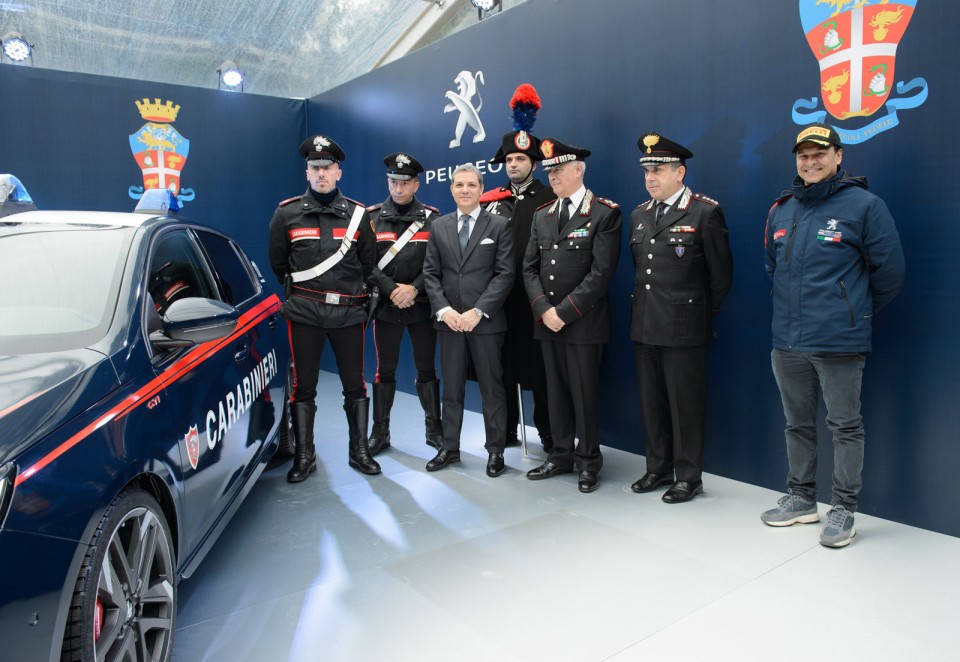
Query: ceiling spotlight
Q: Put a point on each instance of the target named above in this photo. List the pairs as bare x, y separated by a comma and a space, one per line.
230, 75
485, 7
16, 47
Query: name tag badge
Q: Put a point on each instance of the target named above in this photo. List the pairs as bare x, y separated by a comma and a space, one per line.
298, 234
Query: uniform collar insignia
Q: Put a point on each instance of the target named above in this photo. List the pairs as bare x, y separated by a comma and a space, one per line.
587, 203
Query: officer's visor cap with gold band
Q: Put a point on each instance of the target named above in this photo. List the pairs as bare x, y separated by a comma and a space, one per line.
657, 150
321, 151
555, 153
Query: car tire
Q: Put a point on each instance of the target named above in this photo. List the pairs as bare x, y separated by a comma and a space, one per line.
287, 441
124, 606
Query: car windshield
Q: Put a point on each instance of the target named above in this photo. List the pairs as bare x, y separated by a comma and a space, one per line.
59, 285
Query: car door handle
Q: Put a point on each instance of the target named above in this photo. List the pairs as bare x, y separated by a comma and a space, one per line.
243, 351
273, 320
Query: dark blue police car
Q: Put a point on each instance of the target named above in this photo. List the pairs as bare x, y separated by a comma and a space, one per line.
143, 383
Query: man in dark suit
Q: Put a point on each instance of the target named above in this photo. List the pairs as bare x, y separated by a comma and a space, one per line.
569, 263
518, 199
468, 272
684, 270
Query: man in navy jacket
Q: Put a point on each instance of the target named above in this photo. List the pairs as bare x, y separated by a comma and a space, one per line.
834, 256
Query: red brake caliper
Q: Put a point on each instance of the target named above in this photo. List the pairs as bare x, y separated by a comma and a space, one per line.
97, 620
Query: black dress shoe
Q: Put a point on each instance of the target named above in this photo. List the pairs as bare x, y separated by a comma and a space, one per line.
546, 470
495, 465
588, 481
682, 491
443, 459
651, 481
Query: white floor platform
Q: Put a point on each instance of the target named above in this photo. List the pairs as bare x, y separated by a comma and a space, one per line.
456, 566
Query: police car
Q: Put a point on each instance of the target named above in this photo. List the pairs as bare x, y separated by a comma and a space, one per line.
143, 383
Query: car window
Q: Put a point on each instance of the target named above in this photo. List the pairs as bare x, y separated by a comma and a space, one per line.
58, 285
177, 271
235, 279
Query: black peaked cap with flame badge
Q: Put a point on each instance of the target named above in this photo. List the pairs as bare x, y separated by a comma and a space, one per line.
656, 150
320, 150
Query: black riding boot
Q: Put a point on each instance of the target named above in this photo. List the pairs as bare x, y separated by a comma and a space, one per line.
382, 404
304, 455
429, 393
358, 412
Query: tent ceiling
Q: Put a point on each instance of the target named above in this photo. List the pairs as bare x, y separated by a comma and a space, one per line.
286, 48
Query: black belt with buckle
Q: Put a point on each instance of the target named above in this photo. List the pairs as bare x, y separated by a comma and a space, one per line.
331, 298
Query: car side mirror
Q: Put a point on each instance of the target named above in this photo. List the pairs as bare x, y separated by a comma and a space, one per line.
194, 320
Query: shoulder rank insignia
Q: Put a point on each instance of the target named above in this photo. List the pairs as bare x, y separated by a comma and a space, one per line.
609, 203
435, 210
373, 208
547, 204
702, 198
284, 203
359, 204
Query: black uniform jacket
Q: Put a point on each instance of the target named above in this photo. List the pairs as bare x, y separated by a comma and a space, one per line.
571, 269
684, 270
481, 279
303, 233
406, 266
522, 359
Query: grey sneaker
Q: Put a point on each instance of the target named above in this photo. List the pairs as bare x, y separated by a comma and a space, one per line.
791, 509
839, 530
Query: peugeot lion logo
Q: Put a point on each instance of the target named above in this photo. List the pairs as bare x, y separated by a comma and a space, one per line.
462, 100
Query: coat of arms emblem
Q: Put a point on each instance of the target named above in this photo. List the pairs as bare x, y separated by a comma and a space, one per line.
160, 150
192, 441
855, 44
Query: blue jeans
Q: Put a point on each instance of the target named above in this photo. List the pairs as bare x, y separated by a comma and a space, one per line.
802, 377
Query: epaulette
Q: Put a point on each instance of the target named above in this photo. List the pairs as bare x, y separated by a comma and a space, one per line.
646, 204
496, 194
356, 202
702, 198
284, 203
546, 204
609, 203
373, 208
435, 210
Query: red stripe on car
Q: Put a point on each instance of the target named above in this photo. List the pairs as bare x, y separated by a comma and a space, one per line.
184, 366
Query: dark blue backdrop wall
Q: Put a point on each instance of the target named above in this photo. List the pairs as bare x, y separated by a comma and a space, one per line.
721, 78
67, 137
